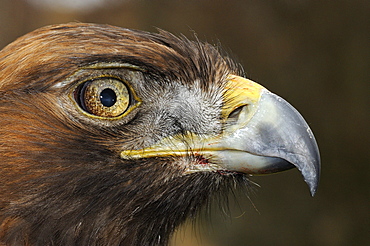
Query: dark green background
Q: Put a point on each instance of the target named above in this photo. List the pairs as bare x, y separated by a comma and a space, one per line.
316, 55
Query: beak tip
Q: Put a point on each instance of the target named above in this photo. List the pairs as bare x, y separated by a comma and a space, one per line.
312, 178
313, 187
313, 191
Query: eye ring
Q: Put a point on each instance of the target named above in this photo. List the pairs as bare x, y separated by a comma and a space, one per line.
105, 97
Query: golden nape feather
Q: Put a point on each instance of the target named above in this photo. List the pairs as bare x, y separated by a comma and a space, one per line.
111, 136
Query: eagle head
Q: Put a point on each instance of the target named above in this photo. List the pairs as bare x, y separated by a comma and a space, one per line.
111, 136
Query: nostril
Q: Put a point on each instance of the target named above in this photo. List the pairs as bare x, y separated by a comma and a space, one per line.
234, 115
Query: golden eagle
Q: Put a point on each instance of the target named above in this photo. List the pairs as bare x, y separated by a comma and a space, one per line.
111, 136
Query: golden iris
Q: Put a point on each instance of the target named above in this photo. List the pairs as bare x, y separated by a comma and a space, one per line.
103, 97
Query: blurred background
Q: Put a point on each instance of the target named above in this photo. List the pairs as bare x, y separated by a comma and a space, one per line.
315, 54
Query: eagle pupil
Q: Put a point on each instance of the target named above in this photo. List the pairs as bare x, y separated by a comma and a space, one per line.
108, 97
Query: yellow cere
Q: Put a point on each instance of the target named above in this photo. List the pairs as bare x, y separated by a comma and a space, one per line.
240, 91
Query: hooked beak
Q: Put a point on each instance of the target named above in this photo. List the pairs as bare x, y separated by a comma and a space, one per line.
263, 134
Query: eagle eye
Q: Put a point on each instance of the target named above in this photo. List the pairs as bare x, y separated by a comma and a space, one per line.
103, 97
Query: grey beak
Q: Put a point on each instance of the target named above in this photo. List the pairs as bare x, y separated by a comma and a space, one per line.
274, 139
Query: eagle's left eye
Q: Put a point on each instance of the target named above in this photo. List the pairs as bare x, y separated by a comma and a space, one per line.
103, 97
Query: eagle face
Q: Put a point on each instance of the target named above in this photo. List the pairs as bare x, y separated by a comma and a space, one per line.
111, 136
